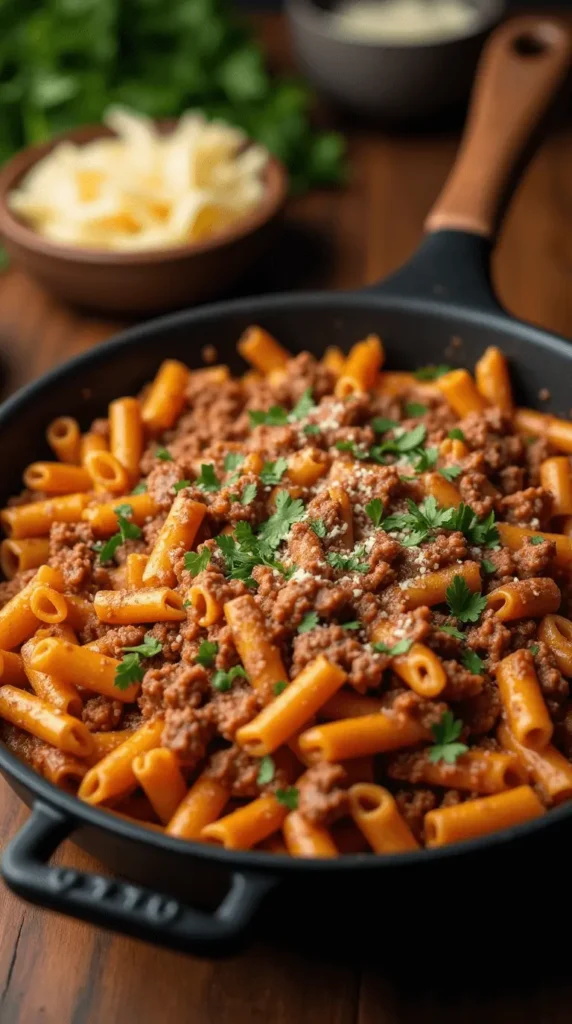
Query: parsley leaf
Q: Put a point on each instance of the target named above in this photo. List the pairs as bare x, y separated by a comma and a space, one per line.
248, 494
465, 605
415, 409
456, 434
288, 511
207, 654
180, 485
381, 425
408, 441
431, 372
359, 451
223, 681
374, 511
534, 649
349, 563
401, 647
450, 472
195, 563
310, 621
452, 631
232, 461
140, 488
127, 531
318, 526
446, 733
288, 797
208, 480
272, 472
128, 671
420, 520
164, 454
472, 662
244, 551
107, 551
311, 428
489, 567
279, 688
482, 533
148, 649
536, 540
276, 416
266, 770
427, 457
303, 406
351, 625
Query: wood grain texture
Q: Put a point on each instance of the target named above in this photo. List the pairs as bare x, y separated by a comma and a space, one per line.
56, 971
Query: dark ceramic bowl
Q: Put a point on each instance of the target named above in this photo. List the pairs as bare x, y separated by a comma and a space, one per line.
138, 282
395, 82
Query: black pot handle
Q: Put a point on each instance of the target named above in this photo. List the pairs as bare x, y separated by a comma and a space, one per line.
522, 67
121, 906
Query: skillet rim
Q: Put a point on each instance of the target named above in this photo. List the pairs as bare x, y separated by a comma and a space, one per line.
82, 814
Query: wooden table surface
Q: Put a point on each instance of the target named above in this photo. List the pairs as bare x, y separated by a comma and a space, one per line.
57, 971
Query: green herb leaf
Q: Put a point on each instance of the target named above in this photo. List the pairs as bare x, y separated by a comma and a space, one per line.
351, 625
207, 653
472, 662
450, 473
349, 563
465, 605
244, 551
208, 480
107, 551
446, 734
276, 416
452, 631
266, 770
303, 406
148, 649
534, 649
426, 459
488, 567
401, 647
180, 485
311, 428
223, 681
140, 488
232, 461
380, 424
164, 454
310, 621
456, 434
481, 533
415, 409
318, 526
374, 511
128, 671
536, 539
195, 562
432, 372
279, 688
288, 511
248, 494
272, 472
421, 520
288, 797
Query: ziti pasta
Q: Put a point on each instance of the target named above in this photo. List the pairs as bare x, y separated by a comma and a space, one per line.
322, 599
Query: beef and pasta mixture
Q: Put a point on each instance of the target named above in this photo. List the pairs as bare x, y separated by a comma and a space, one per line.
318, 609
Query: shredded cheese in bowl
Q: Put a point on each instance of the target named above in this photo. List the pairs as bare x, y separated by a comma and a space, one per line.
142, 189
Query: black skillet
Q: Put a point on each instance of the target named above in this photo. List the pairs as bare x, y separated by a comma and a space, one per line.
444, 293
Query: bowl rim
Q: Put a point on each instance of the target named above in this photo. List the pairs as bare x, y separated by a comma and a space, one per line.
15, 230
491, 12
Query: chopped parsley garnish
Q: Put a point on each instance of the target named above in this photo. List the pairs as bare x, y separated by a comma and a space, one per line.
148, 649
275, 416
534, 649
310, 429
536, 539
180, 485
248, 494
420, 520
472, 662
208, 480
489, 567
288, 797
381, 425
349, 563
446, 734
408, 444
452, 631
128, 671
358, 451
482, 533
351, 625
310, 621
272, 472
140, 488
415, 409
279, 687
195, 563
266, 770
164, 454
318, 526
450, 472
288, 511
465, 605
456, 434
401, 647
207, 653
303, 406
127, 531
425, 458
374, 511
232, 461
408, 441
431, 372
223, 681
244, 551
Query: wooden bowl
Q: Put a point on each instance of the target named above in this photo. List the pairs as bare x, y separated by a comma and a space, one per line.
137, 282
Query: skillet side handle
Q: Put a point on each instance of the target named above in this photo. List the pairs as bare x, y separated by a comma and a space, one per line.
522, 67
119, 905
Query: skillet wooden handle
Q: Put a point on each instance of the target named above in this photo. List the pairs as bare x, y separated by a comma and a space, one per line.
522, 66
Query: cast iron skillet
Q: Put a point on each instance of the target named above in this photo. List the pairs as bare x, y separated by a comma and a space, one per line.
444, 293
